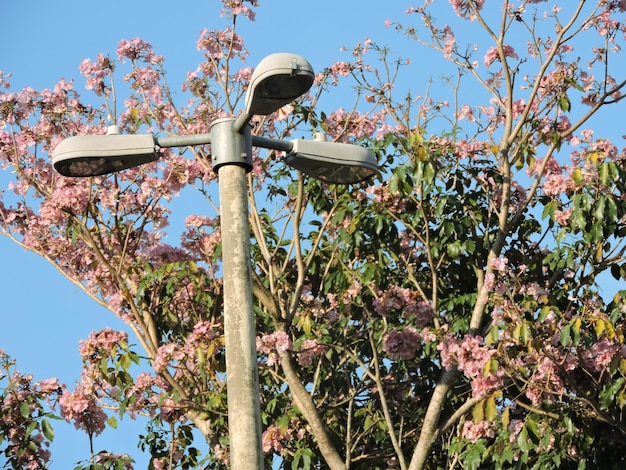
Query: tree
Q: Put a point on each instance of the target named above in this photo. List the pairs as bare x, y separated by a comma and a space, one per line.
451, 312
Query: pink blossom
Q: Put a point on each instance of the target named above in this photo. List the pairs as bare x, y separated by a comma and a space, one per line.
203, 333
218, 44
449, 42
83, 410
138, 49
562, 217
48, 386
239, 7
402, 344
4, 83
499, 264
309, 350
493, 54
599, 356
141, 396
273, 438
96, 73
473, 431
24, 441
410, 303
534, 290
169, 410
467, 113
167, 354
197, 221
274, 345
545, 379
555, 184
471, 357
101, 344
465, 8
490, 281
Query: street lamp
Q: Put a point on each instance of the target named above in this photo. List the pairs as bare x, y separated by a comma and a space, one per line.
277, 80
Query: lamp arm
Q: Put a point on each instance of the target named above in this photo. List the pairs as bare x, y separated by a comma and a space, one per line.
203, 139
242, 120
183, 140
273, 144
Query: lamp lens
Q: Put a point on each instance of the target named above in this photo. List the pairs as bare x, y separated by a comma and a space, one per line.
284, 87
82, 167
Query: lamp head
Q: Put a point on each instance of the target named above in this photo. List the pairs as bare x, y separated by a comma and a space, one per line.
332, 162
94, 155
278, 80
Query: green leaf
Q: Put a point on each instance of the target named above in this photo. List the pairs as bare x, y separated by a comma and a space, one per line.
608, 392
47, 430
111, 421
598, 211
478, 412
578, 220
429, 172
604, 174
549, 209
535, 433
25, 410
491, 411
125, 362
523, 441
616, 271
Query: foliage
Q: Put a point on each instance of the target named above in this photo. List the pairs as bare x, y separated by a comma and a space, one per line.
454, 311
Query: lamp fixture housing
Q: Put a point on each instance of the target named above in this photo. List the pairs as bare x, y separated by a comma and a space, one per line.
332, 162
94, 155
278, 80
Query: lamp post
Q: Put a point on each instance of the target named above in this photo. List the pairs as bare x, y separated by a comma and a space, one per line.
278, 79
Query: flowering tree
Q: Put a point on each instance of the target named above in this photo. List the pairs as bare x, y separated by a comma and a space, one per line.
452, 311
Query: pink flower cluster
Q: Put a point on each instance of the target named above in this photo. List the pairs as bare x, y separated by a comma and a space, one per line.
546, 380
197, 239
102, 344
166, 354
138, 49
473, 431
493, 54
96, 73
81, 408
465, 8
24, 443
274, 346
354, 125
410, 303
68, 198
402, 344
556, 184
471, 357
185, 356
145, 395
217, 45
275, 437
239, 7
309, 350
380, 194
600, 355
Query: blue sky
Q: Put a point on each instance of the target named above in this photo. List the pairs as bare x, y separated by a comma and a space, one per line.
43, 315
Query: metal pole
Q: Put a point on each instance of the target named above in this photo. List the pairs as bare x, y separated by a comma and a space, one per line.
232, 150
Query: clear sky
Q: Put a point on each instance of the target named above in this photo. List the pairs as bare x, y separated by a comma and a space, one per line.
43, 316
